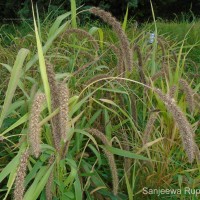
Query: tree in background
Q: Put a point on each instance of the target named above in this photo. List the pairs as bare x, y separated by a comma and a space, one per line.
139, 9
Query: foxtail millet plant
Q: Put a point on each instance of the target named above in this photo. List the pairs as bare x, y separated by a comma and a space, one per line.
188, 93
110, 157
149, 127
134, 108
118, 52
186, 131
136, 48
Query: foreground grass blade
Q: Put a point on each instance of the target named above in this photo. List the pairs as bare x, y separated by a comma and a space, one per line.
39, 183
93, 30
14, 79
42, 65
53, 34
73, 10
11, 169
125, 20
22, 120
78, 190
8, 169
57, 23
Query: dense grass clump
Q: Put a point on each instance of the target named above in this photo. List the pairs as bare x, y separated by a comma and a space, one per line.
97, 113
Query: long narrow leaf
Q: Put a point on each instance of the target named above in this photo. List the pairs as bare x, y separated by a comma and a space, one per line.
124, 153
42, 65
47, 44
73, 11
14, 79
125, 20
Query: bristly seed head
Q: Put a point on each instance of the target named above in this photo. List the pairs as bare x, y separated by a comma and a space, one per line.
34, 124
136, 48
49, 184
125, 45
64, 110
110, 158
172, 91
149, 127
21, 173
55, 104
185, 127
188, 92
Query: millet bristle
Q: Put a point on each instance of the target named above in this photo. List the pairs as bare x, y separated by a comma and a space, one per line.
110, 157
49, 184
64, 110
21, 173
172, 91
185, 127
149, 127
119, 56
84, 34
159, 74
188, 92
34, 124
160, 43
134, 108
127, 161
197, 100
125, 45
136, 48
55, 104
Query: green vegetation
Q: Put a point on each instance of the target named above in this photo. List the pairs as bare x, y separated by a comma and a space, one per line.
99, 112
15, 10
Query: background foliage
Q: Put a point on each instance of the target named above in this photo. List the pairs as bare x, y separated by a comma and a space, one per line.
139, 9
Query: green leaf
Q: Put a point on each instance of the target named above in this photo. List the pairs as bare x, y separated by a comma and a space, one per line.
39, 183
108, 126
9, 168
93, 30
12, 85
87, 134
126, 154
70, 179
42, 183
54, 32
98, 155
57, 23
78, 190
22, 120
125, 20
93, 118
129, 189
42, 65
73, 11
